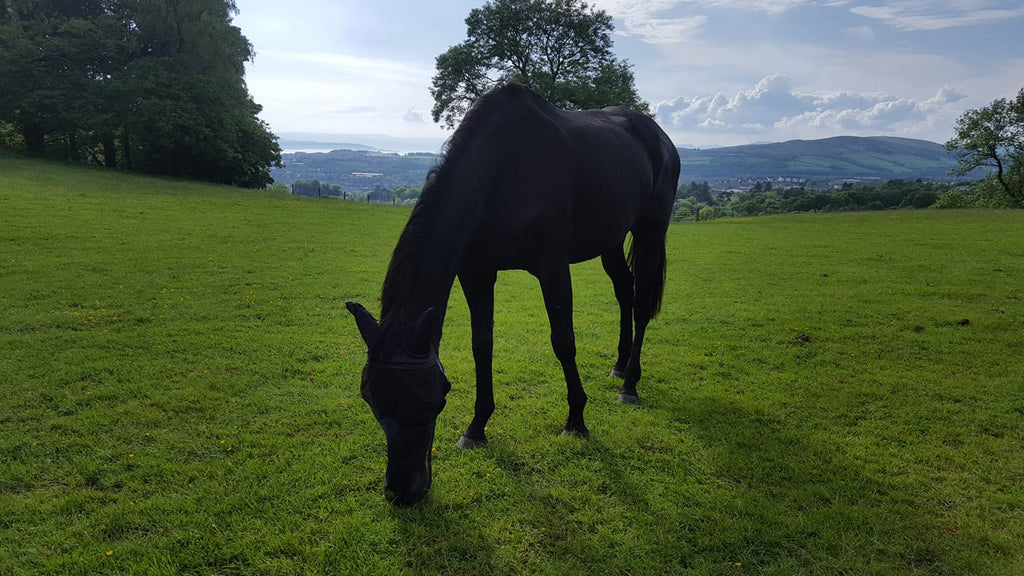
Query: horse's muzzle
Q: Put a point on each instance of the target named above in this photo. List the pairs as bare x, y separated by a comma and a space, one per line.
408, 486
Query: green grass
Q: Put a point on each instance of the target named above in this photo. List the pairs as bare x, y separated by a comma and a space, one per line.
180, 396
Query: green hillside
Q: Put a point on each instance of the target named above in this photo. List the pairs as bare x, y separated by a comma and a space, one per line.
823, 394
881, 158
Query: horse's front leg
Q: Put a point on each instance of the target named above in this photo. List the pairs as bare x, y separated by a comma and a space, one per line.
478, 286
556, 284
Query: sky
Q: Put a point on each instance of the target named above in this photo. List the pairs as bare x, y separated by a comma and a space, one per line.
716, 72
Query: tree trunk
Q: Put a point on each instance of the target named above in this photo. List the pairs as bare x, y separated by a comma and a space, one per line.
109, 150
72, 151
35, 140
126, 149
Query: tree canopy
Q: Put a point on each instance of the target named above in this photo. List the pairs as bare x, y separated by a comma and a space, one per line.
155, 86
993, 136
561, 48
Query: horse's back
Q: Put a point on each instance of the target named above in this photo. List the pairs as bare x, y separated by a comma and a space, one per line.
566, 182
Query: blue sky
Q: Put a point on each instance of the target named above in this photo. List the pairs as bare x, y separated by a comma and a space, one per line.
717, 72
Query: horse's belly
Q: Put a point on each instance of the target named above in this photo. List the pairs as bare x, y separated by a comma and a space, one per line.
505, 247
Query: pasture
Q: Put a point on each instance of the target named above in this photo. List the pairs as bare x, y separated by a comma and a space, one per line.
822, 394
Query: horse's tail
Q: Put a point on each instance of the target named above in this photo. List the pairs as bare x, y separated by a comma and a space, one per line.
647, 249
648, 269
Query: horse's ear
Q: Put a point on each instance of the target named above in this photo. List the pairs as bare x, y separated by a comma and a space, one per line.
364, 321
422, 332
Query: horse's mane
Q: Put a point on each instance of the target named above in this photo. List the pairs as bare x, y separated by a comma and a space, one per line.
401, 274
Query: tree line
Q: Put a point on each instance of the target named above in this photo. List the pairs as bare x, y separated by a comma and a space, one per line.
154, 86
696, 201
400, 195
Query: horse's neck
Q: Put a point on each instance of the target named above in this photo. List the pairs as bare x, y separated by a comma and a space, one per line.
426, 258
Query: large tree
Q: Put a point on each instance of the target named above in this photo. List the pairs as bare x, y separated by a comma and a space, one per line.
150, 85
186, 108
993, 136
562, 48
52, 54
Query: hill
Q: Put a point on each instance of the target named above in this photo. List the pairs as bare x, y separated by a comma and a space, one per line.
882, 158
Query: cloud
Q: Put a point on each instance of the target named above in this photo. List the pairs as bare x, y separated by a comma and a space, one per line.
861, 32
947, 95
413, 116
750, 110
348, 66
769, 6
322, 91
650, 19
663, 22
665, 30
774, 110
647, 20
921, 15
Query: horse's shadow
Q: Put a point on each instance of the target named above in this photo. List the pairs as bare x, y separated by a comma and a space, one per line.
730, 468
440, 537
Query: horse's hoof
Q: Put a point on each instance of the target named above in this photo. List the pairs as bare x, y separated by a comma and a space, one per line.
576, 432
616, 373
629, 399
467, 443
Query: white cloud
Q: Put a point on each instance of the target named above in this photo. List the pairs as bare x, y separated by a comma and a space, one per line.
639, 15
660, 22
647, 20
774, 110
413, 116
919, 15
861, 32
350, 66
650, 21
665, 30
619, 7
769, 6
321, 91
772, 98
946, 95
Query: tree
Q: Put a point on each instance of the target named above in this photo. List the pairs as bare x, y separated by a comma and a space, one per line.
404, 193
561, 48
993, 136
379, 195
699, 191
150, 85
52, 55
310, 188
186, 107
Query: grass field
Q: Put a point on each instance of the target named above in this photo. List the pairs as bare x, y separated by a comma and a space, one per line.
823, 394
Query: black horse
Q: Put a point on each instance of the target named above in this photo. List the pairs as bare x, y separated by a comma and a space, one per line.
523, 185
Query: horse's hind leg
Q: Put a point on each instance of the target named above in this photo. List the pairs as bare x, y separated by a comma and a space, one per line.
614, 262
648, 263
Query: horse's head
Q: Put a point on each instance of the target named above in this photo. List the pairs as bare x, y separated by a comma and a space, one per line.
405, 386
